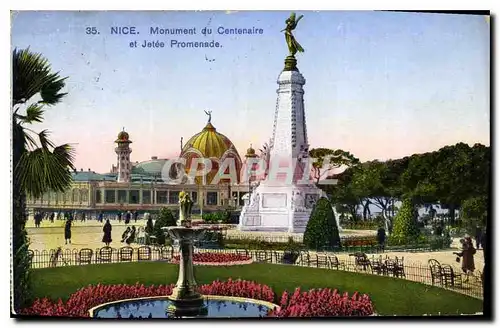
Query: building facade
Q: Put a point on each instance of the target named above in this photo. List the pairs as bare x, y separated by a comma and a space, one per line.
141, 186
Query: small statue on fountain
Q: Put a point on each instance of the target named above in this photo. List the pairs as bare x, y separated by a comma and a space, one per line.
185, 207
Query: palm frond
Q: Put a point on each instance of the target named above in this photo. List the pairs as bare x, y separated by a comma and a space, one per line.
34, 113
31, 75
44, 140
41, 170
29, 142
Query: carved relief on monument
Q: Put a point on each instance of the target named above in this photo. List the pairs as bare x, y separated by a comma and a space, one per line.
311, 200
254, 203
274, 200
298, 202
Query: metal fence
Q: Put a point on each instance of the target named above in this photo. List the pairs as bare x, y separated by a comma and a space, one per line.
350, 244
437, 274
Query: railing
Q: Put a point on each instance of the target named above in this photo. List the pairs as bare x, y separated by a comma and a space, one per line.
378, 265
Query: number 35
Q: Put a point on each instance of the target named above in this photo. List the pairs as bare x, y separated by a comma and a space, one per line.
91, 30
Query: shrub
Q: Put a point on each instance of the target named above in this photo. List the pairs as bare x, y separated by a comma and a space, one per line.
405, 229
361, 225
218, 217
440, 242
165, 219
322, 230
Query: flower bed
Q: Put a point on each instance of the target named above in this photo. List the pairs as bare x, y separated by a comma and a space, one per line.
314, 303
84, 299
217, 259
359, 241
323, 303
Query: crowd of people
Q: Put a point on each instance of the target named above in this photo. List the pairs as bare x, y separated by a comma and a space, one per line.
83, 216
129, 236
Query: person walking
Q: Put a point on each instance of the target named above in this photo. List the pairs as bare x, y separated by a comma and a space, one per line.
136, 215
119, 217
478, 236
67, 231
381, 238
101, 217
106, 238
128, 216
467, 255
149, 230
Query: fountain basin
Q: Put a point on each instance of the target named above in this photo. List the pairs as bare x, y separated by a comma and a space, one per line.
184, 233
156, 307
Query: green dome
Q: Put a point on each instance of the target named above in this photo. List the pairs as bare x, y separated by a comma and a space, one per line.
152, 167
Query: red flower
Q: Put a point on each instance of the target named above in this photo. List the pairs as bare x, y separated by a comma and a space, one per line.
199, 258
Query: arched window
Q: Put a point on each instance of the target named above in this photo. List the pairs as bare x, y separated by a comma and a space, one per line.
84, 195
75, 196
67, 196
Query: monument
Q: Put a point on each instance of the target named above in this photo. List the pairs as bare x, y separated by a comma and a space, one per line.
284, 199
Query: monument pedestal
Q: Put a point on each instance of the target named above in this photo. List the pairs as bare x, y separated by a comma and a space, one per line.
284, 203
279, 208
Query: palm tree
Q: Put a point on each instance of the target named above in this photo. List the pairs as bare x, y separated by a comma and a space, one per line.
39, 166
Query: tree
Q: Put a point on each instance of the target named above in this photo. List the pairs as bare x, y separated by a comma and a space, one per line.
165, 219
38, 165
342, 193
321, 229
326, 160
474, 213
405, 225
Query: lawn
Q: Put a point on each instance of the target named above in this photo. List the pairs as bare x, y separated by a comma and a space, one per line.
390, 296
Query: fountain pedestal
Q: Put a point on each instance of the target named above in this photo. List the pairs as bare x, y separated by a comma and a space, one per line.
186, 301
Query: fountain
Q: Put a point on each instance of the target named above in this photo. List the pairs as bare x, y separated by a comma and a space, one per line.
185, 301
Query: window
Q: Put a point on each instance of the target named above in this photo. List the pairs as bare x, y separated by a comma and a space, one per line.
85, 195
162, 197
134, 197
122, 196
110, 197
74, 197
173, 197
146, 196
194, 197
211, 198
98, 196
67, 196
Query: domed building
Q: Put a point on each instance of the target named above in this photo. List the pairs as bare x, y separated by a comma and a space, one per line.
142, 187
210, 144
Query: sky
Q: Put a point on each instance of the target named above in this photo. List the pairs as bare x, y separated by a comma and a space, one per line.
378, 84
